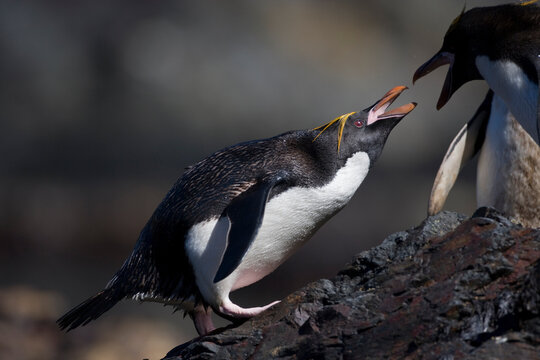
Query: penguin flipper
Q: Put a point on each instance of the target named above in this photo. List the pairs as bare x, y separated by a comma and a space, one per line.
463, 147
245, 214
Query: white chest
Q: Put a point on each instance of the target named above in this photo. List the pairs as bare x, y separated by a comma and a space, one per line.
509, 168
511, 84
290, 219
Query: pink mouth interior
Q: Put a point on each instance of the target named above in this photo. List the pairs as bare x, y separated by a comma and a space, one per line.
375, 115
378, 111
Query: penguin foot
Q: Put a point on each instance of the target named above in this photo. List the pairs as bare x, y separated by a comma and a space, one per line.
231, 309
202, 319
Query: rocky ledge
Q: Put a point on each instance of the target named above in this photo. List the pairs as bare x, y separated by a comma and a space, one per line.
451, 288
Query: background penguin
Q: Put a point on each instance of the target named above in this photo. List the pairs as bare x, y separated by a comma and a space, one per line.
508, 175
235, 216
500, 44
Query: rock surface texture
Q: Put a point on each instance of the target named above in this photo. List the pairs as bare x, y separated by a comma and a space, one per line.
451, 288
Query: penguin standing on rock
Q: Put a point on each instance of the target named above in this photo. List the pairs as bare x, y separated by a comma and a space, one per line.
235, 216
500, 44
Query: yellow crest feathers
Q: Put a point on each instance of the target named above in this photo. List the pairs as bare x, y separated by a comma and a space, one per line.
342, 120
525, 3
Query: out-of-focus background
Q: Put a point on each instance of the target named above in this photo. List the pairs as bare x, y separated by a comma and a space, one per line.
103, 104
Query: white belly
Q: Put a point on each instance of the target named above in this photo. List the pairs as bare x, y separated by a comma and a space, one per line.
510, 83
508, 176
290, 219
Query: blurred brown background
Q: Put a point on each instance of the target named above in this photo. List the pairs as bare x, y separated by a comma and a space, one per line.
104, 104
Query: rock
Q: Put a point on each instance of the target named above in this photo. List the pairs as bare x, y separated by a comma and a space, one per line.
450, 288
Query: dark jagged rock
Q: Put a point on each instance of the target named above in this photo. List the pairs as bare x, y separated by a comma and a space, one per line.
450, 288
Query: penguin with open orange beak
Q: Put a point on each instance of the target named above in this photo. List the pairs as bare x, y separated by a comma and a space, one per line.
234, 217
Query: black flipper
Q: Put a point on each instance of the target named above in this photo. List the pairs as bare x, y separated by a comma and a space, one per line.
245, 214
464, 147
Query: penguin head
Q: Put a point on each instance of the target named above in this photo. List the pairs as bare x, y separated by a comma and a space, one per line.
458, 51
474, 33
365, 130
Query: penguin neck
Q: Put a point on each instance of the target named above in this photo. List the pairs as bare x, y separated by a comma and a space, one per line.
349, 177
514, 87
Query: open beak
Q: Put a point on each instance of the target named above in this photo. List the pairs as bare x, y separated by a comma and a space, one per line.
378, 111
440, 59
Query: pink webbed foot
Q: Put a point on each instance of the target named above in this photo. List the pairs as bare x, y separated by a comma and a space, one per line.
231, 309
202, 318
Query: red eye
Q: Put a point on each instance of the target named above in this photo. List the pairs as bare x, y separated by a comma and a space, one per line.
359, 123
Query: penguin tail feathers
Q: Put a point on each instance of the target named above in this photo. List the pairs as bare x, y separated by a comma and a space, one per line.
90, 309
